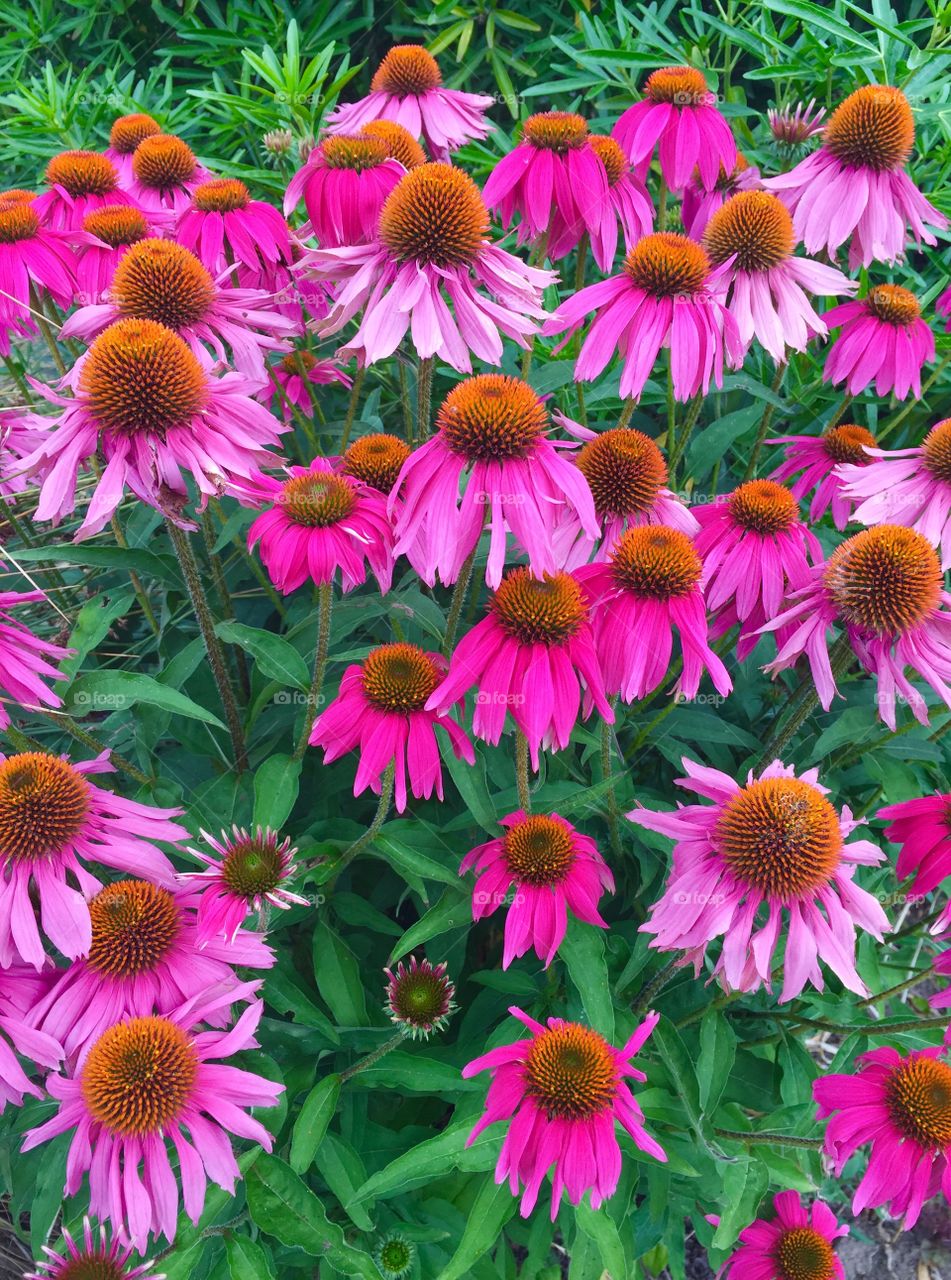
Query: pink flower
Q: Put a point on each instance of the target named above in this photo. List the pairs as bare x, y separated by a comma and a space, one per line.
20, 434
751, 237
23, 659
30, 255
562, 1091
18, 1036
775, 845
164, 174
816, 463
649, 586
162, 281
225, 229
492, 433
754, 549
145, 957
144, 1083
381, 710
943, 307
543, 867
885, 587
699, 205
666, 296
100, 245
883, 341
79, 182
53, 821
124, 136
556, 184
628, 203
433, 273
798, 1242
344, 183
94, 1255
146, 403
407, 88
249, 874
855, 185
294, 377
419, 997
526, 657
899, 1106
678, 114
906, 486
923, 829
791, 128
318, 523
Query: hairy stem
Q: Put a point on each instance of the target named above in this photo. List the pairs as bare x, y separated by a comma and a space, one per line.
324, 606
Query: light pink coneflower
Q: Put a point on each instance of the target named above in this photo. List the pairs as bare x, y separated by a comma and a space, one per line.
793, 126
293, 377
797, 1244
18, 986
883, 341
24, 659
699, 205
164, 174
816, 463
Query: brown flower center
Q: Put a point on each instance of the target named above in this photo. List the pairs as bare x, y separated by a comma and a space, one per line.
399, 677
492, 418
656, 563
221, 195
884, 580
407, 69
252, 867
936, 450
804, 1254
781, 836
43, 805
872, 129
134, 924
625, 471
376, 460
539, 850
399, 142
163, 162
753, 225
317, 499
116, 224
353, 151
762, 506
298, 362
893, 304
434, 215
679, 86
919, 1101
667, 265
139, 1076
547, 611
611, 156
846, 443
128, 131
16, 195
161, 280
18, 222
559, 131
82, 173
571, 1072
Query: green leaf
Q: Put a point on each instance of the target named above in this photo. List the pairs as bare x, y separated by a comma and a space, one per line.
276, 656
119, 690
599, 1226
404, 858
146, 563
181, 1263
337, 974
276, 787
312, 1121
246, 1259
431, 1159
583, 953
452, 911
717, 1055
492, 1208
471, 785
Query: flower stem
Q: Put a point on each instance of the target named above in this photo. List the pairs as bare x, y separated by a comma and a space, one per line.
405, 402
424, 399
680, 444
607, 735
900, 417
803, 702
355, 389
780, 1139
373, 1058
627, 412
43, 324
764, 423
206, 624
382, 812
898, 988
645, 997
137, 587
841, 412
662, 207
521, 771
459, 593
224, 597
324, 606
78, 734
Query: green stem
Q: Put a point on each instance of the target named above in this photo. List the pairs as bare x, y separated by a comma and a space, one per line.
78, 734
224, 598
914, 403
521, 772
324, 606
840, 412
424, 399
662, 207
137, 587
770, 1139
607, 735
355, 389
373, 1058
382, 812
802, 704
764, 423
627, 412
645, 997
898, 988
16, 374
44, 327
405, 402
459, 593
680, 445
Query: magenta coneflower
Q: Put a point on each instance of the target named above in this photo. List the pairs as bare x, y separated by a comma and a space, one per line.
628, 203
754, 549
381, 711
143, 400
249, 874
561, 1091
922, 827
492, 431
526, 657
144, 958
793, 126
668, 295
24, 669
165, 174
433, 273
883, 341
30, 255
344, 183
942, 307
797, 1244
678, 115
20, 434
650, 585
699, 205
224, 228
776, 845
19, 986
751, 237
886, 588
53, 821
293, 377
95, 1257
124, 136
901, 1106
319, 524
855, 185
79, 182
906, 486
816, 462
555, 183
162, 281
407, 88
102, 243
144, 1083
419, 997
540, 869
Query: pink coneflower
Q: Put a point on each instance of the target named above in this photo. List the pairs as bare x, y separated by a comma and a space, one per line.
249, 874
678, 115
20, 434
400, 143
102, 243
562, 1090
124, 136
30, 255
554, 181
419, 997
18, 1036
492, 431
143, 400
407, 88
541, 868
885, 587
792, 127
95, 1257
883, 341
666, 296
775, 844
754, 549
344, 184
165, 174
320, 523
79, 182
145, 957
526, 657
293, 377
816, 463
901, 1106
376, 459
145, 1082
650, 585
627, 205
24, 668
162, 281
53, 821
224, 228
699, 205
943, 307
433, 273
906, 486
922, 827
797, 1244
751, 237
856, 186
381, 710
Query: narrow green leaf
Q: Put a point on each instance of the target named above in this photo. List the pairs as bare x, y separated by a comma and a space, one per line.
276, 656
312, 1121
717, 1055
120, 690
246, 1259
493, 1207
276, 786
